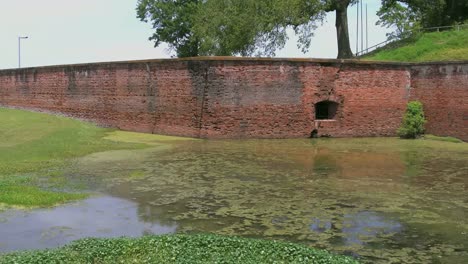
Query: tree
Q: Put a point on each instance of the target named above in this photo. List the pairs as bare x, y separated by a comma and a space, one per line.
402, 18
342, 35
172, 21
457, 11
246, 27
407, 15
241, 27
254, 27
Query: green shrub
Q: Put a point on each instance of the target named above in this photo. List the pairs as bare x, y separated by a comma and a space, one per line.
413, 121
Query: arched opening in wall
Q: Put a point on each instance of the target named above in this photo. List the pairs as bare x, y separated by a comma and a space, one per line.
325, 110
314, 134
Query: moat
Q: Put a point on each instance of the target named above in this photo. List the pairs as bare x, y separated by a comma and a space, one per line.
382, 200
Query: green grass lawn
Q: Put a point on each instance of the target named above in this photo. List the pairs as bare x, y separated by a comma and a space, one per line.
179, 249
34, 147
436, 46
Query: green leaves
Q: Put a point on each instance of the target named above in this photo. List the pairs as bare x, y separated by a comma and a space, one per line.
179, 249
408, 16
230, 27
255, 27
403, 18
239, 27
172, 21
413, 121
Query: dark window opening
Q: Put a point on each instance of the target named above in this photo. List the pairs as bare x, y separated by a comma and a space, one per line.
325, 110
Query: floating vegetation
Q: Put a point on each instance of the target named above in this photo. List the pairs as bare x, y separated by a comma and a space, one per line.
179, 249
382, 200
379, 199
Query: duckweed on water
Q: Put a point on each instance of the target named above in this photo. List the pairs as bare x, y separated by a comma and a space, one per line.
376, 198
385, 200
179, 249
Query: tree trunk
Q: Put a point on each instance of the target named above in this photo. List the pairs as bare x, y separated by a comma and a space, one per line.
342, 34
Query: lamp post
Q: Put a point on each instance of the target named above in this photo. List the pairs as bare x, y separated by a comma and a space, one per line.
19, 49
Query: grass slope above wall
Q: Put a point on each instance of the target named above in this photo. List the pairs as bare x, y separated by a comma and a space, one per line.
435, 46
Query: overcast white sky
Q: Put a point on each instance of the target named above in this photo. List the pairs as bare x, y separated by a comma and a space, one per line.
70, 31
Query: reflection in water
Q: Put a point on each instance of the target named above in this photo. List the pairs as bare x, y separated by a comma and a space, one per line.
385, 200
359, 227
100, 216
365, 226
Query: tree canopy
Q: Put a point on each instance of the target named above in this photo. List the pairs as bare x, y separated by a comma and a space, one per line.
172, 21
241, 27
407, 15
255, 27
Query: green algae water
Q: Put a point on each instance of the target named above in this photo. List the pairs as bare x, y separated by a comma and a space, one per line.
379, 200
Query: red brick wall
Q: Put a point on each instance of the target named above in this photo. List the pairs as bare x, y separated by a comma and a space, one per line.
150, 97
242, 98
443, 90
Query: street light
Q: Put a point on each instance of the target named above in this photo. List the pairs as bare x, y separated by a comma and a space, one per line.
19, 49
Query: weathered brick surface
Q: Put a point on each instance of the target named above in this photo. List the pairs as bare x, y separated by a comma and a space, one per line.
242, 98
443, 90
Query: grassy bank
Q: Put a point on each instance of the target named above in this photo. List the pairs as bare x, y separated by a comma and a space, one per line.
178, 249
34, 148
444, 139
436, 46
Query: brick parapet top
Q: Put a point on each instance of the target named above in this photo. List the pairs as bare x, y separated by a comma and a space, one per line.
326, 62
